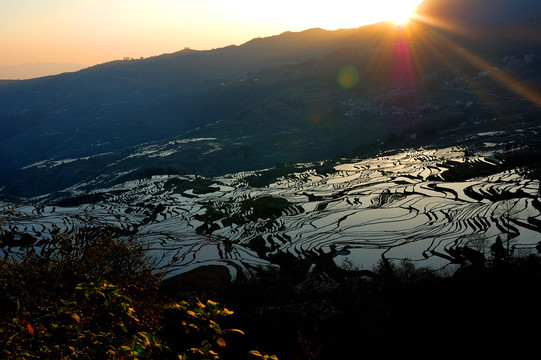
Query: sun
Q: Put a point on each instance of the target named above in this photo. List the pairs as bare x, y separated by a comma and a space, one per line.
401, 12
401, 18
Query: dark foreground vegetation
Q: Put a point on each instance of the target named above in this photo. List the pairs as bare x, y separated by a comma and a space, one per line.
89, 295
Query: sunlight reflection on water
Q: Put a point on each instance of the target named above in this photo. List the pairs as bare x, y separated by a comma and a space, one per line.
372, 207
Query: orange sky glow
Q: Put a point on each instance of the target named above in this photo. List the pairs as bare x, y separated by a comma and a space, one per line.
88, 32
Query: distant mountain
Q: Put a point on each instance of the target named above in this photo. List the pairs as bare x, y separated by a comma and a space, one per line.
29, 71
272, 100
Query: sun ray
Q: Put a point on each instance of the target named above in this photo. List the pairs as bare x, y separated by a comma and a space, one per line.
502, 77
402, 54
377, 61
439, 44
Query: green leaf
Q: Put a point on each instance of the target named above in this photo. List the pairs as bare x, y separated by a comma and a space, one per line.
227, 312
197, 351
255, 353
145, 338
234, 330
215, 326
171, 306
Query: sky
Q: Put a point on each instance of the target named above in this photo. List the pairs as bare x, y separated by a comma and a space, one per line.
71, 34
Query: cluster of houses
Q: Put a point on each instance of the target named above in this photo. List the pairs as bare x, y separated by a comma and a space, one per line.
390, 103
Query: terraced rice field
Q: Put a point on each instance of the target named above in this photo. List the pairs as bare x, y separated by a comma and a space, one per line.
397, 206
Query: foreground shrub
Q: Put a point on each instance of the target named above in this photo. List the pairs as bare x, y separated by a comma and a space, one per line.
95, 322
199, 335
91, 295
86, 295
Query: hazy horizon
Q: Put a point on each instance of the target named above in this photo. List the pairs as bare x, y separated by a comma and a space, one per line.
38, 38
35, 70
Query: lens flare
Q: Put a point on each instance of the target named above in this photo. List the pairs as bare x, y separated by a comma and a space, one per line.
348, 77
